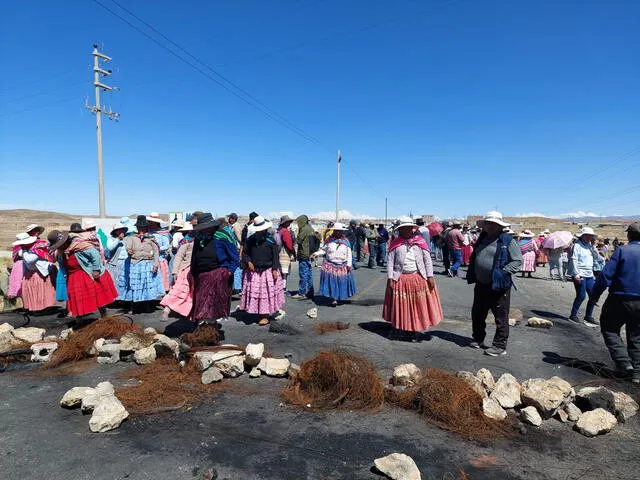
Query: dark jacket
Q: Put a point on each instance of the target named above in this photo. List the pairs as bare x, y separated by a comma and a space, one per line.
262, 252
305, 233
351, 235
621, 273
500, 279
213, 253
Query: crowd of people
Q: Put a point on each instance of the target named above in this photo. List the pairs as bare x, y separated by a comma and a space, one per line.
194, 269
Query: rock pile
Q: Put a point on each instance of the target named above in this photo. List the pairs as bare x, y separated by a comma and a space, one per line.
107, 412
595, 410
11, 338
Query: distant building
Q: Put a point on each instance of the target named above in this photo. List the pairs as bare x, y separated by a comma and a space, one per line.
428, 219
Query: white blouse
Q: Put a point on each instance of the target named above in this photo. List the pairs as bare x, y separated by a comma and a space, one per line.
335, 253
410, 265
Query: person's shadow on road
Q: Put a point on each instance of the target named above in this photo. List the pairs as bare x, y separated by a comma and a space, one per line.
451, 337
595, 368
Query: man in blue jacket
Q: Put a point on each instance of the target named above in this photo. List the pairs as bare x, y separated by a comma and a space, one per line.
622, 307
493, 261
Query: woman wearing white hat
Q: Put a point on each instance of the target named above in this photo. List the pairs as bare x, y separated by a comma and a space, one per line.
411, 302
336, 278
38, 291
163, 239
180, 297
581, 270
529, 249
116, 253
262, 286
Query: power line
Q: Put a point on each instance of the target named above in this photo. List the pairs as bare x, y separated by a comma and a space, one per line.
37, 94
29, 109
612, 164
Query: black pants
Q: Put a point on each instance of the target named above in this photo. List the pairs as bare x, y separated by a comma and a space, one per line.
499, 302
446, 260
617, 311
373, 251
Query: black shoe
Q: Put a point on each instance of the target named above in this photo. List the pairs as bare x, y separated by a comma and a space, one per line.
574, 319
478, 345
591, 322
495, 352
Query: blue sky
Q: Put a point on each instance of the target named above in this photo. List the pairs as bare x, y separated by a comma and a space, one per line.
445, 107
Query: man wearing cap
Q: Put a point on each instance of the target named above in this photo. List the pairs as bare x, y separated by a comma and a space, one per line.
621, 275
455, 242
372, 241
494, 260
581, 271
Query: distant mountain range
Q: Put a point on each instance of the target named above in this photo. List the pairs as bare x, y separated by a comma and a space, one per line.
615, 218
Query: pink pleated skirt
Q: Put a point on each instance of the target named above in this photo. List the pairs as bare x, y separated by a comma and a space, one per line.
409, 305
15, 279
38, 292
529, 262
163, 265
261, 294
180, 297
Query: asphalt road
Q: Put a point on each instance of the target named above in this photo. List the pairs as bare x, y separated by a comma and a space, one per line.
245, 432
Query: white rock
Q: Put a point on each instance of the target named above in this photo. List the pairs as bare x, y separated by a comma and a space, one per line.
96, 345
513, 322
50, 338
73, 398
109, 353
42, 351
595, 422
231, 367
5, 327
507, 391
132, 341
531, 416
93, 396
29, 334
145, 356
293, 370
626, 407
206, 359
561, 415
406, 374
211, 375
312, 313
108, 414
6, 342
165, 345
492, 409
486, 378
398, 466
536, 322
573, 412
64, 334
546, 395
471, 379
253, 353
274, 367
255, 372
150, 331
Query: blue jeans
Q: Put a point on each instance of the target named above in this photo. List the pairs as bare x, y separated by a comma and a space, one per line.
456, 258
354, 256
306, 278
237, 279
382, 254
372, 254
584, 288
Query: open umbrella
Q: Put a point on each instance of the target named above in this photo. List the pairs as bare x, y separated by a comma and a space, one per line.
434, 229
558, 240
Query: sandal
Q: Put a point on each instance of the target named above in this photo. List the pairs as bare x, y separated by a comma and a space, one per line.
263, 321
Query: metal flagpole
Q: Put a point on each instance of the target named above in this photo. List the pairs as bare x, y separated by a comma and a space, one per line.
338, 189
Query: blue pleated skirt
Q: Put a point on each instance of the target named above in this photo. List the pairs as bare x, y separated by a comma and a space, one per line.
337, 281
137, 283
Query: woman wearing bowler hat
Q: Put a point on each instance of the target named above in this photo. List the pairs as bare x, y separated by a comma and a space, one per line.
139, 281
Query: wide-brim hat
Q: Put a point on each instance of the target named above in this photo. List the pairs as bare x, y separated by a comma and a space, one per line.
24, 239
546, 231
586, 231
206, 220
177, 223
118, 226
527, 234
88, 223
284, 219
75, 228
186, 228
34, 226
57, 238
405, 222
155, 218
259, 224
509, 231
142, 221
493, 217
339, 226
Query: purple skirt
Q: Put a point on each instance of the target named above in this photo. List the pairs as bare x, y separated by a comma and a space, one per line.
212, 295
261, 294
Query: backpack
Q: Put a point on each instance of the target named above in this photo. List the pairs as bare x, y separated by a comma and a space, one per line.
314, 243
277, 237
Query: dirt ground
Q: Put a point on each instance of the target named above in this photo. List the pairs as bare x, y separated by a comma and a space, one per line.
246, 432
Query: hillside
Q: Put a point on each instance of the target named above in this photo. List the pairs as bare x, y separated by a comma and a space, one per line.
15, 221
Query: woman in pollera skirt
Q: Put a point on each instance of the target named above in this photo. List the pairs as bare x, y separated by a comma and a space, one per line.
37, 284
336, 277
411, 302
529, 249
180, 297
262, 284
89, 285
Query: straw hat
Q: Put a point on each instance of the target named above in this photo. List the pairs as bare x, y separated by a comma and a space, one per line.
89, 223
405, 222
546, 231
493, 217
34, 226
339, 226
118, 226
155, 218
56, 239
177, 223
260, 224
526, 234
509, 231
186, 228
24, 239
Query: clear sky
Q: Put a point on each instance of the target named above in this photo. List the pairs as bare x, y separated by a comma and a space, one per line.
445, 107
